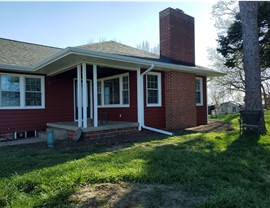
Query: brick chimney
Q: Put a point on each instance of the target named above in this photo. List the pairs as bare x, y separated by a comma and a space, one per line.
176, 37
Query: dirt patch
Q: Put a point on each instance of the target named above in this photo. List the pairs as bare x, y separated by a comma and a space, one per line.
213, 126
132, 195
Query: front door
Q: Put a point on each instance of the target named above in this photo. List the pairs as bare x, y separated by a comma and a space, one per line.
89, 101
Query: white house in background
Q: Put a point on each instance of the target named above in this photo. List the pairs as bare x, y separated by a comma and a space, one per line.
229, 108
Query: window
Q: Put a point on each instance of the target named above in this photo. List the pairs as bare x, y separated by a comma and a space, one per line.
111, 91
125, 90
99, 92
21, 91
153, 85
114, 90
199, 91
10, 91
33, 92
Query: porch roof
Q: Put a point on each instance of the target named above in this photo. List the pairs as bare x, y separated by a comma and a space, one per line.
72, 56
53, 61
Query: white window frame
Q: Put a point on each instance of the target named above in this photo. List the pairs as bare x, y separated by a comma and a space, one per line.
121, 105
22, 92
159, 104
201, 91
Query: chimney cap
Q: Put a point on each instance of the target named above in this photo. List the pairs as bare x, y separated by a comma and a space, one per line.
175, 12
180, 10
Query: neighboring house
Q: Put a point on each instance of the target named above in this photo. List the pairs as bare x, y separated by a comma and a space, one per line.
229, 108
40, 85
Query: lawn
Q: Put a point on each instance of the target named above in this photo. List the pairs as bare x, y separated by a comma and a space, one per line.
214, 169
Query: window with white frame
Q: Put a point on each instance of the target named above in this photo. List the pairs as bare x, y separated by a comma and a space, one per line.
21, 91
199, 91
10, 91
153, 89
114, 91
111, 91
99, 92
125, 90
33, 94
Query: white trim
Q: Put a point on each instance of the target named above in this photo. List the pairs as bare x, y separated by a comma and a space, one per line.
139, 102
159, 104
201, 91
133, 61
91, 97
95, 95
120, 76
79, 95
22, 105
85, 95
22, 89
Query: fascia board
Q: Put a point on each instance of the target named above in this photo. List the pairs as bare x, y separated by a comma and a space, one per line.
132, 60
16, 67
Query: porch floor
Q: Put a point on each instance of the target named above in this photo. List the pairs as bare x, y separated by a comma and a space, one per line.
73, 126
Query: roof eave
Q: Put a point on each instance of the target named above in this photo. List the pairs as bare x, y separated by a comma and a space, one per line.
138, 62
18, 68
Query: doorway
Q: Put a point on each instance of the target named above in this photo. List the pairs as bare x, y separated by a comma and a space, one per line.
89, 101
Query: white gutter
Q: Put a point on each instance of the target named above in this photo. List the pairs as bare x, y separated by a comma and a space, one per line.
142, 106
16, 67
158, 130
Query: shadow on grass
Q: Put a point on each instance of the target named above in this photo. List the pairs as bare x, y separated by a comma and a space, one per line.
25, 158
219, 178
206, 174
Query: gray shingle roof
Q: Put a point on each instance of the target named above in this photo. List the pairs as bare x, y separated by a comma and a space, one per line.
23, 54
118, 48
19, 53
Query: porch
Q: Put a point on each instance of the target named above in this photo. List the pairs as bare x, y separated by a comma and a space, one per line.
110, 129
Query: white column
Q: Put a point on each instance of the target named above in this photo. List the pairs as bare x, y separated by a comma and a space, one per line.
95, 95
79, 95
139, 102
142, 99
85, 97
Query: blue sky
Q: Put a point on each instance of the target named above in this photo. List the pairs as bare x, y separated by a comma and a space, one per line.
64, 24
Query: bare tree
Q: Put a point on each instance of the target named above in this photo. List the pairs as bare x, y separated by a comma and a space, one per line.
145, 46
223, 13
249, 17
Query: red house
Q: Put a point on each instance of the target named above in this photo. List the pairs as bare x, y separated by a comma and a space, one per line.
94, 87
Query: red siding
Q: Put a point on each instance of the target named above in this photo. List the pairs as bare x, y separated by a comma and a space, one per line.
177, 110
155, 116
202, 110
129, 113
58, 107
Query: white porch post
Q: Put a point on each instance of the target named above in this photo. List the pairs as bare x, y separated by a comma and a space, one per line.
139, 102
142, 99
79, 95
95, 95
85, 97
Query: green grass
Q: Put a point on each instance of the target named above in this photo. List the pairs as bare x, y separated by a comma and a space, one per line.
222, 168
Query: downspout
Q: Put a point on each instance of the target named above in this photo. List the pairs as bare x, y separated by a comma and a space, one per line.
142, 106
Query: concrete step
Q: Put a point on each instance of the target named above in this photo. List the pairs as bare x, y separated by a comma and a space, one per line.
59, 134
42, 135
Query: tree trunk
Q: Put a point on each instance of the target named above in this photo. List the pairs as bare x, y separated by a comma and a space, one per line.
249, 17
